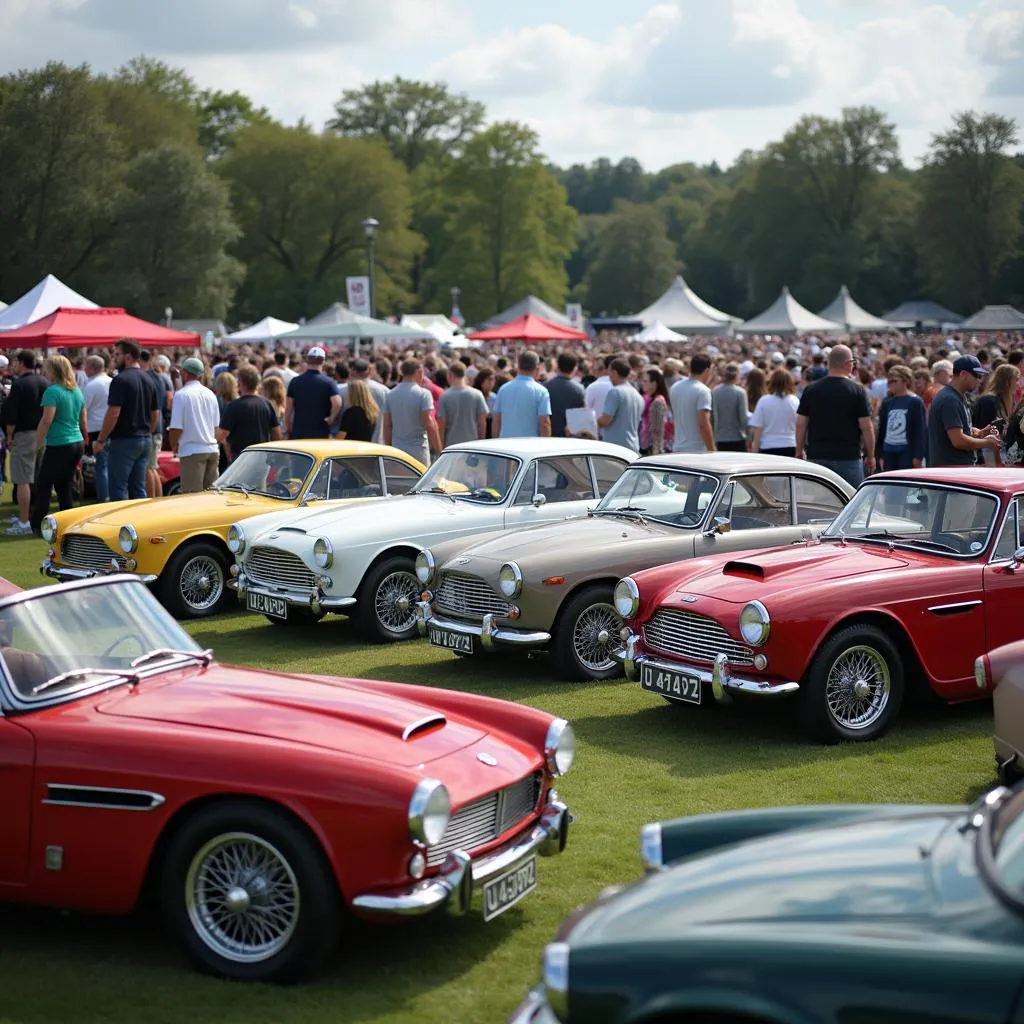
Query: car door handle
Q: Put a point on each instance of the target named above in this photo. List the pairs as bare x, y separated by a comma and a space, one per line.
953, 609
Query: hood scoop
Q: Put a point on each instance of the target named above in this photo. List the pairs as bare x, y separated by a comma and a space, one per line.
750, 570
423, 725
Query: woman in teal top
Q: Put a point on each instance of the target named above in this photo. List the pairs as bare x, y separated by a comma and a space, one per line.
62, 429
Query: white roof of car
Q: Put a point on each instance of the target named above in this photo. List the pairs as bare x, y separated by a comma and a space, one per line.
533, 447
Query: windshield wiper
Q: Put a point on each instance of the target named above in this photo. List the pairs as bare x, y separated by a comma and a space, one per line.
437, 490
637, 510
235, 487
170, 652
908, 538
84, 673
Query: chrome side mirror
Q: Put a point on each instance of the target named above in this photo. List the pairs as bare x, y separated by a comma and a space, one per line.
1018, 558
538, 500
720, 525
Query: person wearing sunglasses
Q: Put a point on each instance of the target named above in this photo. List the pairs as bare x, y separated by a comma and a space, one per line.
902, 431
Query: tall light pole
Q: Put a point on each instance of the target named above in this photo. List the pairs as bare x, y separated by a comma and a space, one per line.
370, 226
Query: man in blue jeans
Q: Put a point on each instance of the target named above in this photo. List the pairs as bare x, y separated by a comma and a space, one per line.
129, 424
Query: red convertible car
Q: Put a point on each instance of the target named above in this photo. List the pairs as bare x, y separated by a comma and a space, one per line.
263, 809
916, 577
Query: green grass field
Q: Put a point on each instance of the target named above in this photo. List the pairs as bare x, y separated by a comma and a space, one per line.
638, 760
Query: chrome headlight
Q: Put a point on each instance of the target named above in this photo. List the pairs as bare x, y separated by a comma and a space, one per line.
49, 529
559, 747
755, 623
127, 539
510, 580
556, 978
236, 539
626, 598
323, 553
425, 567
430, 810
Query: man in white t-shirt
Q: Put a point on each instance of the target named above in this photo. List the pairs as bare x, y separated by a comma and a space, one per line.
95, 392
195, 416
597, 391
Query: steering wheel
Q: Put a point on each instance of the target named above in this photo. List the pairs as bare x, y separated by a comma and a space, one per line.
690, 518
121, 639
279, 490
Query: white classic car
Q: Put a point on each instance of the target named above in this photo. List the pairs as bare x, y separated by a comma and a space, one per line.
294, 567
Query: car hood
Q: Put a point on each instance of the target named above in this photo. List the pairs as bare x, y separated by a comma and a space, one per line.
853, 875
156, 515
334, 715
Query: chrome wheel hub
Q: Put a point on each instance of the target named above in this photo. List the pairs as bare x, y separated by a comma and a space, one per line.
201, 583
857, 688
395, 602
593, 637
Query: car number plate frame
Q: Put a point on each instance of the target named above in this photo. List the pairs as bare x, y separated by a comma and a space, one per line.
449, 640
276, 607
677, 685
505, 891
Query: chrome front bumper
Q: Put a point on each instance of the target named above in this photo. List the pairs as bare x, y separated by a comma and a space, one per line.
315, 599
461, 876
534, 1009
491, 635
65, 574
723, 684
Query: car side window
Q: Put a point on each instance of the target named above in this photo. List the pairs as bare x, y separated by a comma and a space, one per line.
1009, 536
565, 479
816, 502
399, 477
758, 503
347, 478
528, 487
607, 470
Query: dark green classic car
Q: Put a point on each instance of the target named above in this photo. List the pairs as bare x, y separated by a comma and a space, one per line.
804, 915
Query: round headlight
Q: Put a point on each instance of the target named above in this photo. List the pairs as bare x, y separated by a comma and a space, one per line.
559, 747
626, 598
236, 539
430, 810
49, 529
323, 553
556, 978
510, 579
127, 539
425, 567
755, 623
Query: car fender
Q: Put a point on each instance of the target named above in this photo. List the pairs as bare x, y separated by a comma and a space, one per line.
695, 1005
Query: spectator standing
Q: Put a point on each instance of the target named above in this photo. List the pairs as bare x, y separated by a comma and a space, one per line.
225, 387
952, 441
996, 405
272, 389
773, 421
313, 401
281, 369
691, 409
523, 408
598, 389
484, 381
833, 423
164, 393
755, 387
361, 369
95, 392
942, 373
461, 410
922, 385
163, 368
194, 419
22, 411
62, 429
729, 412
249, 419
902, 428
673, 373
129, 424
623, 408
361, 416
565, 391
408, 415
656, 433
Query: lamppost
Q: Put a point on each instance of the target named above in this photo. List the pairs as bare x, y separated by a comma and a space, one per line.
370, 226
455, 305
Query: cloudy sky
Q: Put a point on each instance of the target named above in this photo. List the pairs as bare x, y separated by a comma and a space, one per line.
662, 81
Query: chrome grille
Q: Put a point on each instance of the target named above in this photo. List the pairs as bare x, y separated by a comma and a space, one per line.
79, 551
279, 569
468, 596
697, 637
484, 820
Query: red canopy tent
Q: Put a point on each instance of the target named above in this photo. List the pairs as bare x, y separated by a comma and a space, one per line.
93, 328
530, 328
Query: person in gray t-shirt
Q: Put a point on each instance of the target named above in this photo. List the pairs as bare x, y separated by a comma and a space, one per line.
408, 415
691, 409
461, 411
623, 408
729, 412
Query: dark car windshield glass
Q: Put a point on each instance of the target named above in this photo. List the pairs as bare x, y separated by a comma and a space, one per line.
1008, 844
472, 476
80, 632
274, 473
669, 496
931, 517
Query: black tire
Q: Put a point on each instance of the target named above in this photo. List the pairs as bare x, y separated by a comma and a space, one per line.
879, 669
171, 488
297, 871
297, 618
384, 581
576, 650
181, 587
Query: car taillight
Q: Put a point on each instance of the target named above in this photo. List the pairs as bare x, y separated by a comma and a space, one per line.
983, 672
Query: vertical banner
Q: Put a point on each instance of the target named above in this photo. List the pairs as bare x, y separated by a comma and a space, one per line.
574, 312
358, 295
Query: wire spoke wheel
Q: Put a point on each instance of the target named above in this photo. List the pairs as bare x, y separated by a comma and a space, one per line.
242, 897
201, 582
857, 687
595, 635
395, 601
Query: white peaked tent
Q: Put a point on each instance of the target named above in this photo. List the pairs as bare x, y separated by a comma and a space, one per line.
843, 310
267, 330
338, 313
786, 316
47, 297
995, 318
657, 332
531, 304
3, 306
437, 324
681, 309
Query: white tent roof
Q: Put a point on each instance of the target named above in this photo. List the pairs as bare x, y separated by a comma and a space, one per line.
786, 316
657, 331
531, 304
843, 310
680, 308
338, 313
268, 329
995, 318
49, 295
436, 324
3, 305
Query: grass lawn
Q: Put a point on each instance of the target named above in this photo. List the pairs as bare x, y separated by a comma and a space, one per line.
638, 760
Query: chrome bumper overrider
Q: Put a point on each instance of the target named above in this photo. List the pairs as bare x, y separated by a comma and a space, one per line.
534, 1009
461, 876
65, 574
489, 633
313, 599
723, 684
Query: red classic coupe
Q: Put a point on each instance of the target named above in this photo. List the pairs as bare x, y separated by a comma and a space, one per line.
263, 809
922, 572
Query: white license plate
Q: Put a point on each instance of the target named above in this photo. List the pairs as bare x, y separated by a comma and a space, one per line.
506, 891
450, 640
275, 606
670, 684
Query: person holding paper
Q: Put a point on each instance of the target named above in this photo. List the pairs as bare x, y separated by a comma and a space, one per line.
566, 393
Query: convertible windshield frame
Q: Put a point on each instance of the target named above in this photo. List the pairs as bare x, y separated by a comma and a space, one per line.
984, 819
254, 450
606, 507
419, 487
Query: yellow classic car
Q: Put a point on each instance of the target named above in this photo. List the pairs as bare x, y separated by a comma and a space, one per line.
179, 544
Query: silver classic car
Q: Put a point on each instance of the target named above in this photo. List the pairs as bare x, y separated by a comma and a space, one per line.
551, 586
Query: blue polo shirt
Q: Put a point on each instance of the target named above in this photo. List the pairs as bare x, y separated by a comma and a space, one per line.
520, 403
311, 392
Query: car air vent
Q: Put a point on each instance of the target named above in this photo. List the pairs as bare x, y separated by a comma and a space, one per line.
743, 569
422, 725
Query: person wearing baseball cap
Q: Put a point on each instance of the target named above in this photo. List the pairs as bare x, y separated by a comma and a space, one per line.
313, 402
952, 441
195, 416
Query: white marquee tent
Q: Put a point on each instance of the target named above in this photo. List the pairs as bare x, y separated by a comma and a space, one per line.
995, 318
657, 331
681, 309
786, 316
531, 304
843, 310
269, 329
437, 324
45, 298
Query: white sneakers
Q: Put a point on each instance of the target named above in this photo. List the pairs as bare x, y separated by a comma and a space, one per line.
19, 529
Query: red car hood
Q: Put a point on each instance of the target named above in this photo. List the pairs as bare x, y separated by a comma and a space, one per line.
339, 716
751, 575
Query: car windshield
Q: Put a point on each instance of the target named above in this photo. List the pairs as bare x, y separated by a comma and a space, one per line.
1007, 838
474, 476
65, 640
670, 496
272, 472
930, 517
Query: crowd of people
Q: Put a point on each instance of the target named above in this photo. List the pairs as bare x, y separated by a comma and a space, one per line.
868, 403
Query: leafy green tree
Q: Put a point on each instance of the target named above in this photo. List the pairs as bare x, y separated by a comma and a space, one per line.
222, 115
972, 194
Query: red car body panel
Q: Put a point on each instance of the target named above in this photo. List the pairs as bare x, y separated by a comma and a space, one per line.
168, 467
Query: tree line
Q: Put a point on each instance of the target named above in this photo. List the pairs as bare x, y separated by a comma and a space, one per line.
141, 189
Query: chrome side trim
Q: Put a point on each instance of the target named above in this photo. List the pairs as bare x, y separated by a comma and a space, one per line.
952, 609
423, 723
102, 797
